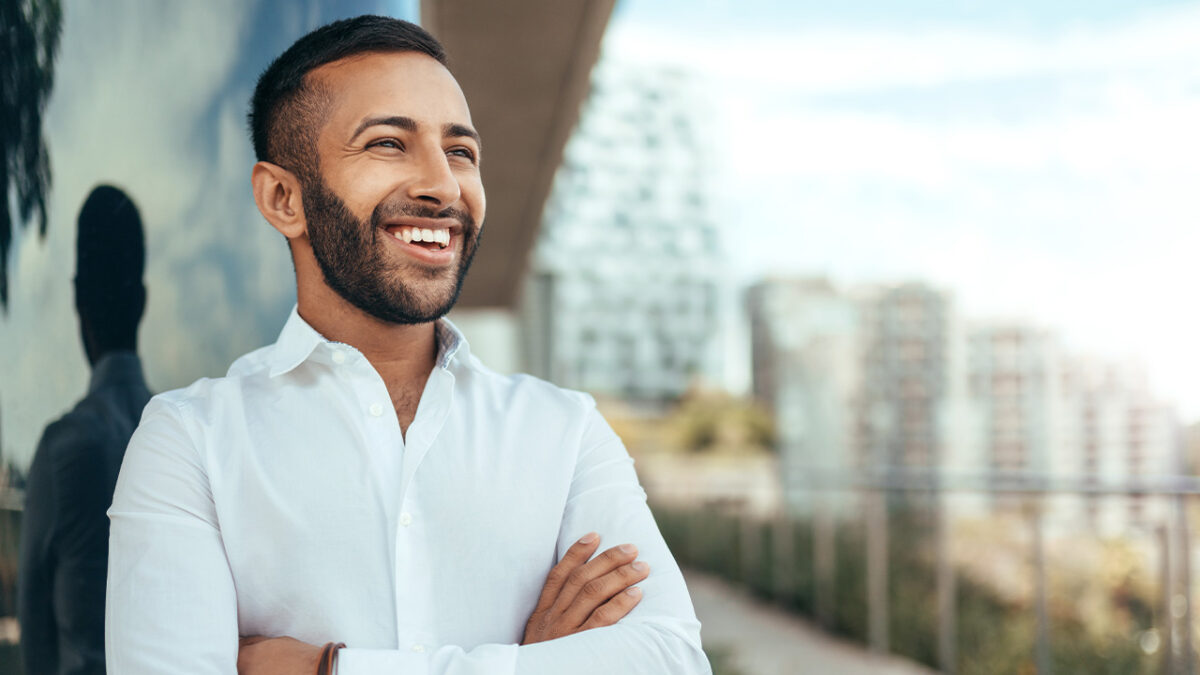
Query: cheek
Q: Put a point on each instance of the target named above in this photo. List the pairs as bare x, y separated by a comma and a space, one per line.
363, 191
476, 200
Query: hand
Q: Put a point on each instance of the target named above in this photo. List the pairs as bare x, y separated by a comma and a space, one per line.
259, 655
581, 595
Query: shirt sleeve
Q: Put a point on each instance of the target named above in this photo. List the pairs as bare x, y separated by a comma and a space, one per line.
661, 635
163, 529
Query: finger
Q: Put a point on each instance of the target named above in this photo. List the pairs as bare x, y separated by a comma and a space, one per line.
575, 556
614, 610
594, 569
601, 590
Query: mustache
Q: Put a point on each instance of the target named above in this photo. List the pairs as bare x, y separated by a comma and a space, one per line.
389, 210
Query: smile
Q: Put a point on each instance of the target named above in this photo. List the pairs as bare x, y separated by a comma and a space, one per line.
422, 234
432, 241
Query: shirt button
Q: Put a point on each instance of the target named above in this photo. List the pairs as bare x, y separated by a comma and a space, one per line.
376, 410
339, 358
406, 519
418, 648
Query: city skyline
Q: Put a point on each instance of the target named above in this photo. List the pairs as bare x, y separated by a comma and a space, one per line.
1035, 160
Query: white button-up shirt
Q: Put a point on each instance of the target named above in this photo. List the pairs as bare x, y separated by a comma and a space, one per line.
282, 500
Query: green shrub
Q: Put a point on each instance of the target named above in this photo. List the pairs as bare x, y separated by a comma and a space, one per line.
994, 634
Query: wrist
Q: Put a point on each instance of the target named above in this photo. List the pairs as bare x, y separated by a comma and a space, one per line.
327, 662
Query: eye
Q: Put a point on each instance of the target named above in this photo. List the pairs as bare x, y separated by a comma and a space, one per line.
466, 153
389, 143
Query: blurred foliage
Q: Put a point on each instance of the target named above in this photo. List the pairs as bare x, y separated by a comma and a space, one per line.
996, 634
10, 540
10, 535
703, 421
716, 421
30, 43
721, 659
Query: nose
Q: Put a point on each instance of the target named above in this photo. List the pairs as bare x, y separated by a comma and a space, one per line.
432, 181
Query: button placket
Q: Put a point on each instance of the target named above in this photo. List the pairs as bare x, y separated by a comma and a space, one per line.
413, 599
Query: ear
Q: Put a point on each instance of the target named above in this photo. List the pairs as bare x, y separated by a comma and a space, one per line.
277, 193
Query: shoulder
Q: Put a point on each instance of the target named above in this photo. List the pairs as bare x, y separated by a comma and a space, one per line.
69, 439
192, 422
535, 409
521, 390
209, 397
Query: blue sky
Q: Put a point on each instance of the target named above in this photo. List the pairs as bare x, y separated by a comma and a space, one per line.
1037, 159
712, 16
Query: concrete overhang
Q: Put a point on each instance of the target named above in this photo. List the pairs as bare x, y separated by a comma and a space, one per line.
524, 66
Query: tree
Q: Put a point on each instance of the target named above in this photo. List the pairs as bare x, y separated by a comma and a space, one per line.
28, 46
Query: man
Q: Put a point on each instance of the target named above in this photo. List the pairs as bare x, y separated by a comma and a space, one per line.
64, 534
366, 480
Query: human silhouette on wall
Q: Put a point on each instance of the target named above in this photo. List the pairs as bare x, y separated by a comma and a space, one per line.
64, 537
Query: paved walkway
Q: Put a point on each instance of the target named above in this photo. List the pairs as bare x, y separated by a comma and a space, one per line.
764, 640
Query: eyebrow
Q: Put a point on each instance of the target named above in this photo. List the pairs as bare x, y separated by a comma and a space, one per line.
450, 130
461, 131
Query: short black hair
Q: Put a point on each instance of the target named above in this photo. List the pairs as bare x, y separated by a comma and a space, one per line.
110, 258
286, 110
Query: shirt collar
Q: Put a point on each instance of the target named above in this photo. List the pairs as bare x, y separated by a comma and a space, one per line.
116, 368
451, 342
298, 341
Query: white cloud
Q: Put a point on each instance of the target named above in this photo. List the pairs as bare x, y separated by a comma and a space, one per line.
823, 60
1076, 210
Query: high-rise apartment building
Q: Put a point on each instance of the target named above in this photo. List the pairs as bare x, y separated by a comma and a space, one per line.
888, 380
1015, 388
863, 380
1119, 435
624, 292
807, 368
913, 378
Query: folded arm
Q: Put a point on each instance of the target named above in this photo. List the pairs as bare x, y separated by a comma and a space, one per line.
659, 635
172, 606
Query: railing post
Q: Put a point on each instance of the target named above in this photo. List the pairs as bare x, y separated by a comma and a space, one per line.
1168, 623
824, 560
784, 559
1185, 583
1042, 647
946, 590
751, 547
877, 570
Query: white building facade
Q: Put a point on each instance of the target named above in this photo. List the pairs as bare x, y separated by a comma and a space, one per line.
624, 293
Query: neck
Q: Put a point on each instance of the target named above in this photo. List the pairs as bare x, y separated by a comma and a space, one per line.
403, 355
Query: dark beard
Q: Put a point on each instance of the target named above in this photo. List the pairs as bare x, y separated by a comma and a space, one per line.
354, 264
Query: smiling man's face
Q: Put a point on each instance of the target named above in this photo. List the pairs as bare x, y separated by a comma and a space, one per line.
395, 204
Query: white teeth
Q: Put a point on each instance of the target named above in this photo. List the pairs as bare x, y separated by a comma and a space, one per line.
411, 234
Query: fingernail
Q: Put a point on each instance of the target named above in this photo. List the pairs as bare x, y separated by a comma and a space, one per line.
640, 566
634, 591
588, 538
628, 548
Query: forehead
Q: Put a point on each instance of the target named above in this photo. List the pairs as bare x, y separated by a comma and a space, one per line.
408, 84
